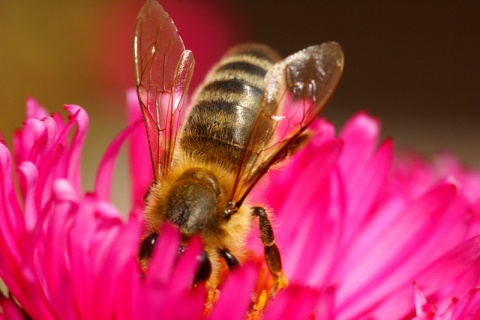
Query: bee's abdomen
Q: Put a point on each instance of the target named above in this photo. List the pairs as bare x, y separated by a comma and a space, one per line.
226, 106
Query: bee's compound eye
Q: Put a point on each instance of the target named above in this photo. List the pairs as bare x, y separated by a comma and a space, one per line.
147, 245
204, 268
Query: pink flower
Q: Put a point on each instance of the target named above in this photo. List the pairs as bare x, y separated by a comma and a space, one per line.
371, 232
66, 254
363, 234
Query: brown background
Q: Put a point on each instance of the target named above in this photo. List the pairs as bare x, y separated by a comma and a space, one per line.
414, 65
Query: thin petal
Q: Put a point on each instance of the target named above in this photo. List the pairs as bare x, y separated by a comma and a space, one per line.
80, 117
295, 302
236, 291
455, 275
121, 253
396, 252
28, 177
35, 110
103, 180
139, 158
10, 310
360, 134
12, 224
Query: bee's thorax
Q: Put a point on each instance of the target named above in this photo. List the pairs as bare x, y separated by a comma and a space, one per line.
192, 201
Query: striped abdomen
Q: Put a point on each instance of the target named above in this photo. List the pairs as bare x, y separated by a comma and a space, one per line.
226, 106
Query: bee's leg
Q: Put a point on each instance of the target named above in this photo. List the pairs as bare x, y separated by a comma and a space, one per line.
272, 255
230, 259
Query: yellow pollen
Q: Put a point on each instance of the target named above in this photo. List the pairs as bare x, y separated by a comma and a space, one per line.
281, 282
257, 308
212, 296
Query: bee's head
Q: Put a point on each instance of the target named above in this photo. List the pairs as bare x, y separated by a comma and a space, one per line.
191, 204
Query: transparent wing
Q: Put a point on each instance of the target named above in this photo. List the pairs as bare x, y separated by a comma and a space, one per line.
296, 90
163, 69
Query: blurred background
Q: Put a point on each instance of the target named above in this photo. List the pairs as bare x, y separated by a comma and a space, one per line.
415, 65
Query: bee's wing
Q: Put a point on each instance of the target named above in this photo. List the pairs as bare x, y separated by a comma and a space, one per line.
163, 69
296, 90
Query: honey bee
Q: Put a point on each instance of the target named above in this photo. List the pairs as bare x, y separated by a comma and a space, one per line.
249, 114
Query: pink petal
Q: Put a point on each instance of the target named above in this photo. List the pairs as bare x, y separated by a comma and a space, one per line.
105, 171
159, 270
295, 302
10, 310
360, 135
180, 290
140, 163
455, 275
167, 286
304, 205
236, 291
35, 110
28, 177
80, 117
121, 252
469, 307
362, 272
163, 256
81, 257
11, 221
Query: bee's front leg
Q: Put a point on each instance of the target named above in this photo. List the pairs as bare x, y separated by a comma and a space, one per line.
272, 255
